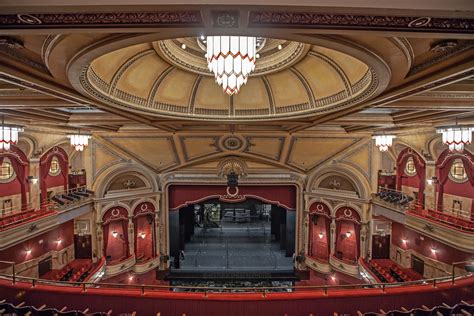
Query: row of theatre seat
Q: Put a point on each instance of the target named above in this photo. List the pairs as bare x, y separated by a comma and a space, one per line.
71, 196
461, 309
20, 217
7, 309
72, 274
394, 197
390, 272
461, 223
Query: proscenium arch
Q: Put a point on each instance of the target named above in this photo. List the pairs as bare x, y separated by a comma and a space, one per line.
106, 177
357, 178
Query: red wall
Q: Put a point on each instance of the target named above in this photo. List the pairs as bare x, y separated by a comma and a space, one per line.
116, 246
444, 253
144, 246
412, 182
459, 189
54, 181
319, 246
18, 253
11, 188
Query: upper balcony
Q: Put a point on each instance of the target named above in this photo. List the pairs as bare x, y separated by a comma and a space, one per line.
19, 224
453, 227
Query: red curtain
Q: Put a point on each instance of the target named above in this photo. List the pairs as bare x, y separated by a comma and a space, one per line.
45, 165
420, 171
20, 169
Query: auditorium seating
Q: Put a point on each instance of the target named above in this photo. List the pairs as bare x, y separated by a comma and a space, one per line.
8, 309
17, 218
394, 197
388, 271
75, 271
445, 218
70, 196
461, 309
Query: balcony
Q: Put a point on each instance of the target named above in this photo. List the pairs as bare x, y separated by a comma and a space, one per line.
19, 225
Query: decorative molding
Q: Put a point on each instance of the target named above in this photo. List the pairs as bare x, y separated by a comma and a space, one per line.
441, 56
360, 22
95, 19
225, 19
13, 47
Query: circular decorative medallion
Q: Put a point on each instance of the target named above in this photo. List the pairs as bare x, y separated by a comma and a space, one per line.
232, 143
28, 19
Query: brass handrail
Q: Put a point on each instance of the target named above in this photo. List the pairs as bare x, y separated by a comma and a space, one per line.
264, 289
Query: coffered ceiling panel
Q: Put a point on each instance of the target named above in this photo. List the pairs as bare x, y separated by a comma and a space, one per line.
307, 152
266, 146
199, 146
156, 152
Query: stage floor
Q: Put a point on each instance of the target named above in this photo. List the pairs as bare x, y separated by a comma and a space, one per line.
235, 247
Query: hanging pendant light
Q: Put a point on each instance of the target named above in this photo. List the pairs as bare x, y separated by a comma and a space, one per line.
455, 137
231, 59
79, 141
8, 134
383, 142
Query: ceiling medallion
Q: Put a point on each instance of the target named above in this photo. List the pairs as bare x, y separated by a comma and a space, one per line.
231, 59
455, 137
383, 142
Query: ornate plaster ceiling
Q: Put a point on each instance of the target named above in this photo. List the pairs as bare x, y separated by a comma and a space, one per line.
161, 78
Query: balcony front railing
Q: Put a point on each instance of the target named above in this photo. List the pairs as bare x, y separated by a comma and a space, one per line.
467, 268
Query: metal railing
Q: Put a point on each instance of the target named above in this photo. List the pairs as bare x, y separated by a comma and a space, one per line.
13, 210
325, 289
462, 223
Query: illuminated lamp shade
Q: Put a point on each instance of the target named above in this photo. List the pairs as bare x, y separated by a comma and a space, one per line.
348, 234
142, 235
9, 135
115, 234
79, 141
321, 235
231, 59
383, 142
455, 137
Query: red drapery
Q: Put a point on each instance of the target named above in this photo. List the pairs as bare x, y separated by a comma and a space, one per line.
19, 163
105, 232
117, 213
443, 167
183, 195
319, 247
125, 237
420, 170
45, 165
142, 210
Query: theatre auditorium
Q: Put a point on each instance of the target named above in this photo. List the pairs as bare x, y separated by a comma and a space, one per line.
236, 158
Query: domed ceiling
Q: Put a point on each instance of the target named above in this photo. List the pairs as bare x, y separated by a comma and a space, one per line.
170, 78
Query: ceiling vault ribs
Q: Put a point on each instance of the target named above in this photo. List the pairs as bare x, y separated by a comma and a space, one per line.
159, 79
336, 67
127, 64
192, 98
427, 83
304, 82
269, 92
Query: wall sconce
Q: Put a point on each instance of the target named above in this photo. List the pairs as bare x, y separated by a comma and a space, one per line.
130, 278
434, 250
321, 235
348, 234
59, 241
432, 181
32, 180
28, 252
142, 234
333, 277
404, 241
115, 234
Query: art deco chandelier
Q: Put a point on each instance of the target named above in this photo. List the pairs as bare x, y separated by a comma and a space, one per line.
455, 137
231, 59
383, 142
79, 141
8, 135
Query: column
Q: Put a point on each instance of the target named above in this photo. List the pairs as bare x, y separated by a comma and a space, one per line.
363, 240
131, 236
100, 240
156, 232
333, 236
430, 189
34, 188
